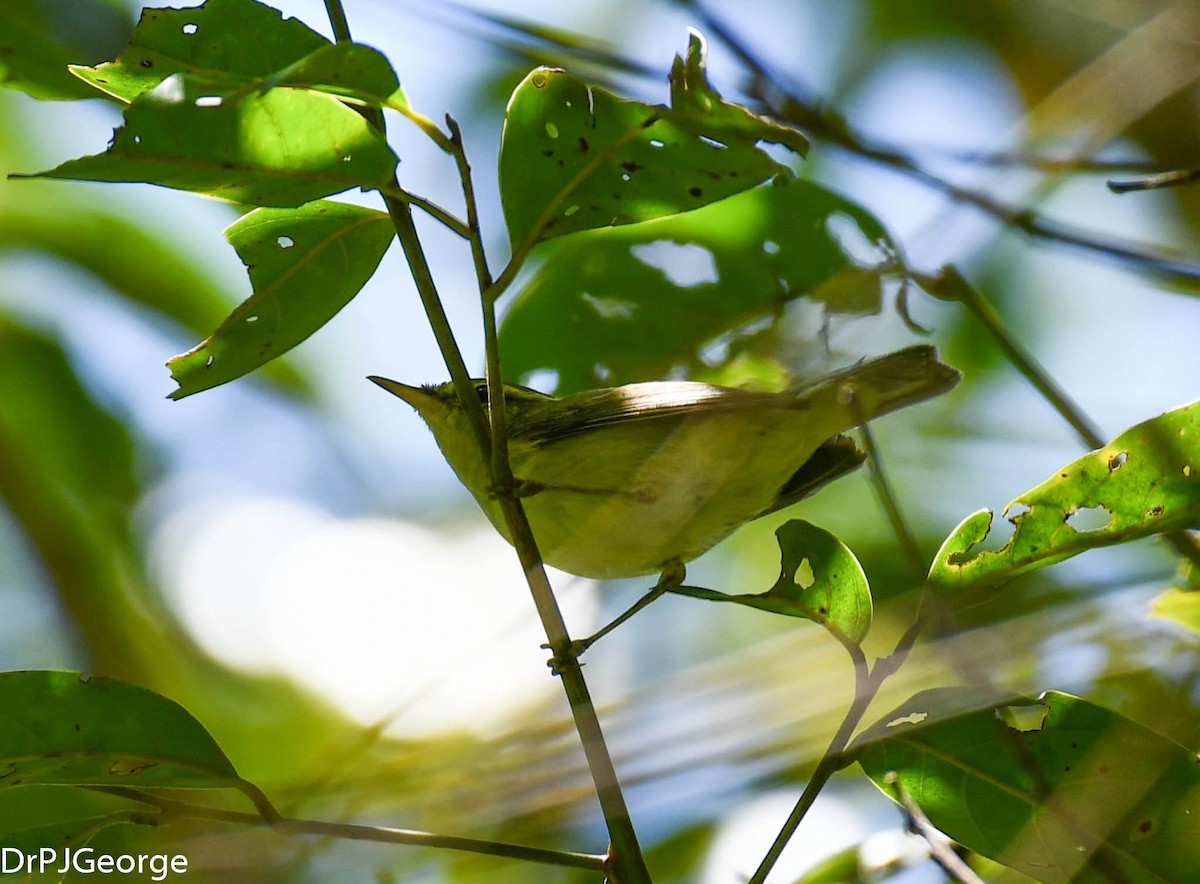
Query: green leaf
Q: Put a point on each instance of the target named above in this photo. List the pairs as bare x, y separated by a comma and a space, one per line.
1146, 481
599, 310
63, 727
38, 41
348, 70
305, 265
1058, 788
576, 158
281, 148
819, 580
240, 40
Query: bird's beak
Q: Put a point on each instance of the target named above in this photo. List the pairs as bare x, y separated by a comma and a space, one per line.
418, 397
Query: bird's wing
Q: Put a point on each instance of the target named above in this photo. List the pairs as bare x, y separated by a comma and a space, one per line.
832, 460
545, 423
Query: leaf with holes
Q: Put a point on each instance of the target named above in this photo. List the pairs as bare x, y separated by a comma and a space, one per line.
65, 728
305, 265
1058, 788
208, 40
624, 304
573, 157
1146, 481
281, 148
819, 580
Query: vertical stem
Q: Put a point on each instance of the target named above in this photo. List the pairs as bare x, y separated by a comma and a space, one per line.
865, 690
628, 865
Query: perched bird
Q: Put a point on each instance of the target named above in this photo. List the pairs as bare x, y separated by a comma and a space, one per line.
642, 478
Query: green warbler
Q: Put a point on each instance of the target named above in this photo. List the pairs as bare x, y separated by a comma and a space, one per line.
639, 479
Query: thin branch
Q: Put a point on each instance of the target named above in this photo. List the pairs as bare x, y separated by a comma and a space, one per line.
887, 499
940, 849
1153, 182
171, 810
831, 761
786, 103
429, 208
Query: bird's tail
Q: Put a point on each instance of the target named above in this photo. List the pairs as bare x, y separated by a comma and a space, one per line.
879, 386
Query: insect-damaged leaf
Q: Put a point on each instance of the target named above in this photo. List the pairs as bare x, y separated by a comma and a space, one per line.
208, 40
573, 157
819, 580
1146, 481
305, 265
281, 148
1058, 788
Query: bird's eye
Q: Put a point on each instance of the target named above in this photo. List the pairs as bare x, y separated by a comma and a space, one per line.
482, 392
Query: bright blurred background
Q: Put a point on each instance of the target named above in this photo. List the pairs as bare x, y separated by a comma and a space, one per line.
289, 557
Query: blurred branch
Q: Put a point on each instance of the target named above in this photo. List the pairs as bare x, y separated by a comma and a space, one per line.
171, 810
1153, 182
788, 103
785, 102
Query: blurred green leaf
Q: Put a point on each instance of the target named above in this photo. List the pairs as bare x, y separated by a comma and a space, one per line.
281, 148
573, 157
819, 580
305, 265
40, 38
1146, 481
601, 310
65, 834
67, 475
1180, 605
64, 727
134, 261
1058, 788
237, 39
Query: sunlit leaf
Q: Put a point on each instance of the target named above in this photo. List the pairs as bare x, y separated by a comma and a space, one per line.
239, 39
1146, 481
349, 70
1059, 788
630, 303
63, 727
576, 158
36, 45
819, 580
305, 265
281, 148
